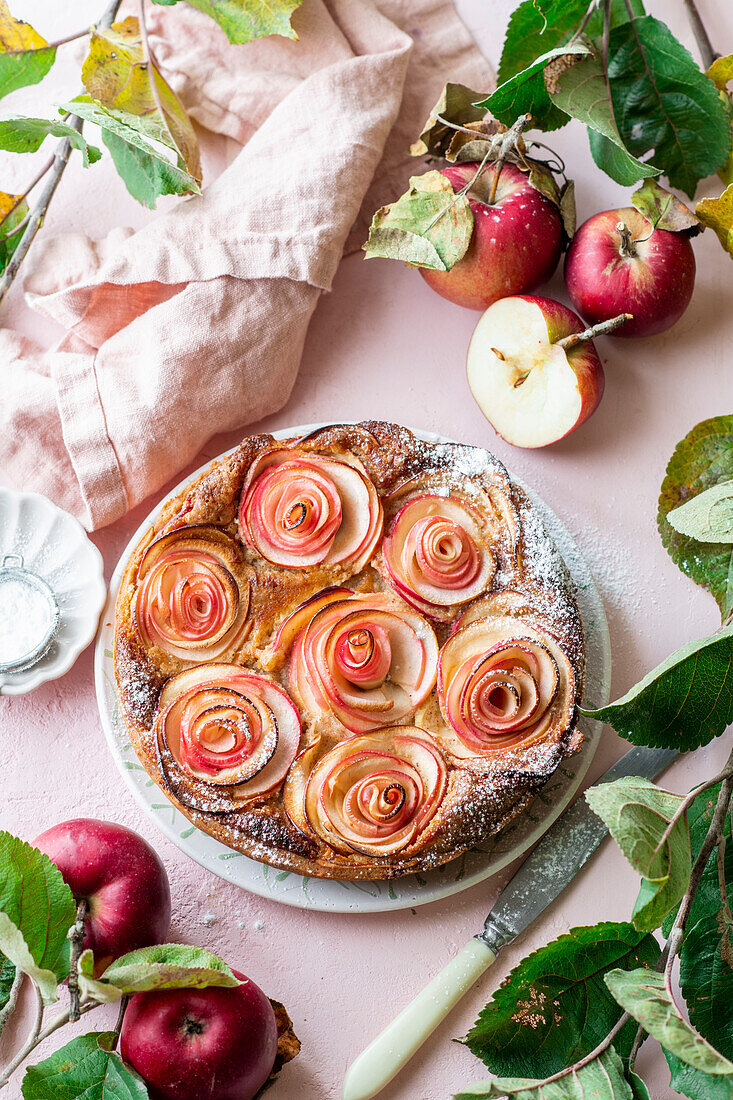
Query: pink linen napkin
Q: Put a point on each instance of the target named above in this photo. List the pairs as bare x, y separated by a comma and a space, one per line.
195, 324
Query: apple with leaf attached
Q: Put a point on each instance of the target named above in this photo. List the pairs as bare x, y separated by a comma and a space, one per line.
492, 222
534, 370
636, 260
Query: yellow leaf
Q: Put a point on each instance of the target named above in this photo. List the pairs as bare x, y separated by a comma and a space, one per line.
717, 214
17, 36
116, 75
721, 72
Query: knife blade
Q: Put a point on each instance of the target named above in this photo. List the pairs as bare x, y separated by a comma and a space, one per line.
551, 866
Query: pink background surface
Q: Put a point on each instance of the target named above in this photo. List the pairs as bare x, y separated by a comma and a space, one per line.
383, 345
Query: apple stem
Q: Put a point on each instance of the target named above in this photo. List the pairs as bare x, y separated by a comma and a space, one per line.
76, 935
626, 247
601, 329
508, 142
120, 1017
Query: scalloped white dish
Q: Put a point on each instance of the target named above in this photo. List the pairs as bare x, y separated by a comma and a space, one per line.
354, 896
55, 547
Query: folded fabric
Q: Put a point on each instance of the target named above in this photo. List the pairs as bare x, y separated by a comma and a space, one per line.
195, 324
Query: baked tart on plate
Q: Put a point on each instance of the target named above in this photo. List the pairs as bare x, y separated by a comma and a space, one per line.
351, 654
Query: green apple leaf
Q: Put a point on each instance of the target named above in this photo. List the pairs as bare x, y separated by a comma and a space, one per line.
702, 459
13, 211
601, 1079
638, 815
717, 214
537, 26
167, 966
117, 78
554, 1007
245, 20
85, 1069
429, 226
682, 703
707, 899
694, 1083
577, 84
664, 210
37, 909
524, 94
456, 104
706, 977
142, 161
707, 517
645, 995
687, 133
26, 135
25, 57
638, 1087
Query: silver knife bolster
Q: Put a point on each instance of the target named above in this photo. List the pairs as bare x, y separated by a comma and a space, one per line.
560, 854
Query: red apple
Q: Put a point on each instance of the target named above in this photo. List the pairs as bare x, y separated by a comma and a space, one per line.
516, 241
532, 390
188, 1044
120, 877
617, 263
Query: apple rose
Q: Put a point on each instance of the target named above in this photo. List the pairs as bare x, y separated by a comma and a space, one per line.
227, 726
375, 794
436, 554
365, 658
299, 510
188, 601
503, 682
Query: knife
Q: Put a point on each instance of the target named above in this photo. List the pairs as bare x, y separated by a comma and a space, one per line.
554, 863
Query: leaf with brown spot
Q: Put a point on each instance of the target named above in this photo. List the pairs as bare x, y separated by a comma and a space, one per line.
664, 210
474, 145
116, 76
25, 57
244, 20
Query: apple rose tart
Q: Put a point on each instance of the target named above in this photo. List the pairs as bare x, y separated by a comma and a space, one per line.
352, 654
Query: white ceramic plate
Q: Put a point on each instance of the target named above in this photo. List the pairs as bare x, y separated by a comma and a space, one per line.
55, 546
363, 897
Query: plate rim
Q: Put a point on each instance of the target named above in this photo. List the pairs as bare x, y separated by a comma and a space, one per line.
356, 905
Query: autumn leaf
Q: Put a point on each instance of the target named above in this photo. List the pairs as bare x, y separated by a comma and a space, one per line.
245, 20
25, 57
116, 76
13, 211
456, 105
429, 226
717, 214
664, 210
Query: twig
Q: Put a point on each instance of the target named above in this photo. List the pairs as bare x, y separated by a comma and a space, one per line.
65, 39
712, 838
687, 802
508, 142
722, 884
601, 329
34, 1038
595, 1053
704, 45
594, 4
76, 935
60, 160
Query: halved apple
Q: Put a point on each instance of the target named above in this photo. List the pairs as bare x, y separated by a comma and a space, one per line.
532, 389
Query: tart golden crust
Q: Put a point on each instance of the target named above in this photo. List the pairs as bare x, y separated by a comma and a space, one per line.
360, 797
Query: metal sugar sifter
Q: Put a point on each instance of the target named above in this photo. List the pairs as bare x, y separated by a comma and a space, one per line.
29, 615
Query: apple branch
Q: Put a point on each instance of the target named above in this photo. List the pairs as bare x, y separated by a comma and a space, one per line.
601, 329
507, 143
60, 160
76, 935
32, 1041
704, 45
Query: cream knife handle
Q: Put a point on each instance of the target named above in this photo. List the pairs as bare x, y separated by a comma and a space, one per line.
392, 1049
